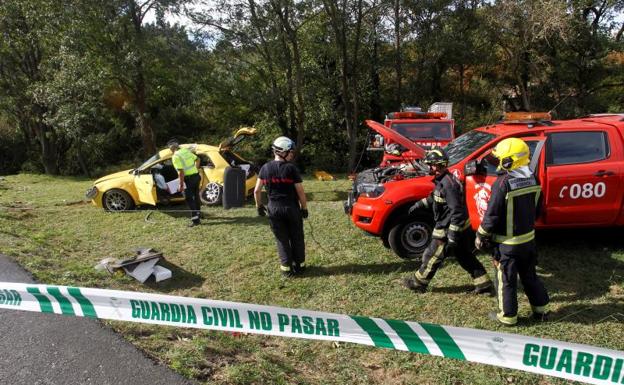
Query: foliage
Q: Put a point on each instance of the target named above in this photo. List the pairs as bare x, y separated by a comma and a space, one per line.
89, 83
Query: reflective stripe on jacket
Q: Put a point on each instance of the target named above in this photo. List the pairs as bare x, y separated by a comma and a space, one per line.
448, 203
511, 212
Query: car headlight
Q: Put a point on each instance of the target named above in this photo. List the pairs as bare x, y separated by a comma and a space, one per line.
370, 190
91, 192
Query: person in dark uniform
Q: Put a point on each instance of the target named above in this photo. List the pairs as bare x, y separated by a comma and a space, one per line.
187, 165
452, 232
508, 224
287, 205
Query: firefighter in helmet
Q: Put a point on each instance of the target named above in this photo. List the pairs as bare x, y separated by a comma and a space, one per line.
452, 232
508, 224
287, 205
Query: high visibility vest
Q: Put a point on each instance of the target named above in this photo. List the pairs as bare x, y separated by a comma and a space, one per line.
184, 159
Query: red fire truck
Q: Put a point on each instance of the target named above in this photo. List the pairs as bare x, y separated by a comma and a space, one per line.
435, 127
579, 163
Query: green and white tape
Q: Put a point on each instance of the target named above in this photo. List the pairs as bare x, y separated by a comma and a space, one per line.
536, 355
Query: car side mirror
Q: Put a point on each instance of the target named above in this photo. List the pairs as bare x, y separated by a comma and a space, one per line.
474, 167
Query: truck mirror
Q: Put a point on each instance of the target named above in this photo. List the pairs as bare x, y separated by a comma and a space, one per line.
474, 167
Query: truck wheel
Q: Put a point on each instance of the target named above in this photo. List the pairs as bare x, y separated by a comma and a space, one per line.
410, 236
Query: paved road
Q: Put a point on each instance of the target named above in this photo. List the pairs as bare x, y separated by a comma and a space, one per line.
46, 349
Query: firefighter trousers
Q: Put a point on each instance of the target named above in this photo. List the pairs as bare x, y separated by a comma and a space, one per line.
287, 226
191, 195
513, 261
438, 250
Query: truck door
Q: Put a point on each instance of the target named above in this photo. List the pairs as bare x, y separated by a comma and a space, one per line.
582, 178
479, 187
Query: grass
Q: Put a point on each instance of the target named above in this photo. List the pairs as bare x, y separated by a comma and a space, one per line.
232, 257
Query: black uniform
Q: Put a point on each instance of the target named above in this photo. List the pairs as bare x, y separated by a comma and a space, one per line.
452, 227
509, 223
279, 179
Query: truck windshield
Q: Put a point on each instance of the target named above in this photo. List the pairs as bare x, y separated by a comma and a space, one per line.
424, 130
466, 144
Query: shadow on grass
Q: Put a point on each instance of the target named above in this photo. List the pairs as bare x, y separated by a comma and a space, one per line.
580, 264
327, 196
250, 220
381, 268
180, 279
590, 314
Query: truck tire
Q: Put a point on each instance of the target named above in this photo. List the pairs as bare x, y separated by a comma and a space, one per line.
410, 236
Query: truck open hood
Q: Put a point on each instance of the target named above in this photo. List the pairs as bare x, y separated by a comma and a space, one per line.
395, 137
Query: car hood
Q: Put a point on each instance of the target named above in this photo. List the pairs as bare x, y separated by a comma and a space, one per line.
117, 175
396, 137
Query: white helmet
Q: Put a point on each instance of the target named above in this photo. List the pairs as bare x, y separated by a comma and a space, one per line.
283, 144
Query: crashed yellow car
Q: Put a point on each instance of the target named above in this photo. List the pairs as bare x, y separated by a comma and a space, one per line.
155, 181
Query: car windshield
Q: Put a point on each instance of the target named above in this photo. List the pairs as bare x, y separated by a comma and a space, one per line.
466, 144
424, 130
149, 161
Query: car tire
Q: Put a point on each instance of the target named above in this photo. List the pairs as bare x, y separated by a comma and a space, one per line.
212, 194
410, 236
117, 200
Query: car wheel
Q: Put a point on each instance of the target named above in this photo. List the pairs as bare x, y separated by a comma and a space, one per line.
117, 200
410, 236
211, 194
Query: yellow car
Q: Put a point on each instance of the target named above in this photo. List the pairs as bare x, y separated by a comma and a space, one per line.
155, 180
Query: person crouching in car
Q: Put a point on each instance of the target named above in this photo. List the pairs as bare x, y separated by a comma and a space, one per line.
452, 232
287, 205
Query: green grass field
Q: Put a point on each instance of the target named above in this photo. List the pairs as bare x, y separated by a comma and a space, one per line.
47, 229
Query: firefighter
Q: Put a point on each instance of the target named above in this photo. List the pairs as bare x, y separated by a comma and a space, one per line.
287, 205
508, 224
452, 232
187, 165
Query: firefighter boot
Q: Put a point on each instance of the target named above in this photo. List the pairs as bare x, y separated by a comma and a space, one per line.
299, 268
507, 321
483, 285
287, 271
540, 317
414, 285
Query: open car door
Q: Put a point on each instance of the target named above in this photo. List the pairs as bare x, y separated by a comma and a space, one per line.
144, 184
238, 137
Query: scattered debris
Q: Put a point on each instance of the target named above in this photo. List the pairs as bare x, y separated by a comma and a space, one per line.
323, 176
140, 266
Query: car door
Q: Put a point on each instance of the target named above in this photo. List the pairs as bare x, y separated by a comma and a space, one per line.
582, 177
479, 187
144, 183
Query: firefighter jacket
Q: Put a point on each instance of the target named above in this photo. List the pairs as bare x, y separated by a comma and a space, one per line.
511, 212
449, 207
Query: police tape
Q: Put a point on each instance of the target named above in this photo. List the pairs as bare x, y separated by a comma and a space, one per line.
531, 354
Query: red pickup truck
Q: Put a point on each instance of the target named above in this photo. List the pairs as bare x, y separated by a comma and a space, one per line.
579, 164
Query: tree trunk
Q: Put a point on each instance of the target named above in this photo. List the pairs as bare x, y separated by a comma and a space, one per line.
397, 46
278, 102
375, 104
49, 154
142, 120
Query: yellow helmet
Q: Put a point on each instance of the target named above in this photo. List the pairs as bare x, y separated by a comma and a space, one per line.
512, 153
